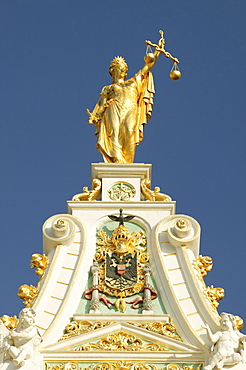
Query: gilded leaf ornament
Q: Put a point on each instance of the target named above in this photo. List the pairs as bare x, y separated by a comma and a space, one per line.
203, 264
79, 327
120, 365
10, 322
214, 295
120, 341
40, 262
27, 293
163, 328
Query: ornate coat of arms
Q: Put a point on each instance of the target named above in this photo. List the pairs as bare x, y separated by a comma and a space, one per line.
120, 265
123, 255
121, 271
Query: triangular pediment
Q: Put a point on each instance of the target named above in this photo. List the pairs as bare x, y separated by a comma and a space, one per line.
120, 337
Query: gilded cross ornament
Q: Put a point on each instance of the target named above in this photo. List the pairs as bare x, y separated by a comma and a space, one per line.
125, 106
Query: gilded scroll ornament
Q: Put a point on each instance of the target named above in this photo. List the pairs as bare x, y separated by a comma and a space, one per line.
27, 293
203, 264
141, 366
89, 195
121, 191
72, 366
173, 367
120, 341
79, 327
55, 367
120, 365
239, 322
186, 367
214, 295
153, 195
10, 322
40, 262
103, 366
164, 328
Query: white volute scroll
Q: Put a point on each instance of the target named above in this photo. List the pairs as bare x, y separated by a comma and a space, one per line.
58, 229
182, 229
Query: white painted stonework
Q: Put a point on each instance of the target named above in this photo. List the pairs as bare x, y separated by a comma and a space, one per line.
173, 240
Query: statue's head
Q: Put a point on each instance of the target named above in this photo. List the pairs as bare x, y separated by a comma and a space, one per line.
26, 317
227, 321
119, 64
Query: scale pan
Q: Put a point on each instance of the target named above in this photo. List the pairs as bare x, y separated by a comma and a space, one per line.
175, 74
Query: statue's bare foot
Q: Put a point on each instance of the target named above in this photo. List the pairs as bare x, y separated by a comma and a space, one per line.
16, 362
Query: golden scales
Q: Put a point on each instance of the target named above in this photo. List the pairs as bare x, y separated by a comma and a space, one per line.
175, 73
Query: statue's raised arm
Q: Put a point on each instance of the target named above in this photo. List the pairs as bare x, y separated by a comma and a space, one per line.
124, 107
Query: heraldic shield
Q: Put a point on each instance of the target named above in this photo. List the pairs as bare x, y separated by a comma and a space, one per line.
121, 271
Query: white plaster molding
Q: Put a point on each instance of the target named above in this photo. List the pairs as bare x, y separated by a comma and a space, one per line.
166, 288
130, 170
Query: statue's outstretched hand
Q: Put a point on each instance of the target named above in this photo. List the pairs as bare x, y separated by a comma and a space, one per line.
93, 119
205, 326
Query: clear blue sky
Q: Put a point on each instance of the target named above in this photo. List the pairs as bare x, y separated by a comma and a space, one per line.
54, 62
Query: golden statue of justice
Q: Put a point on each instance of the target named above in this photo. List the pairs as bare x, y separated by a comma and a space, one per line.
125, 106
